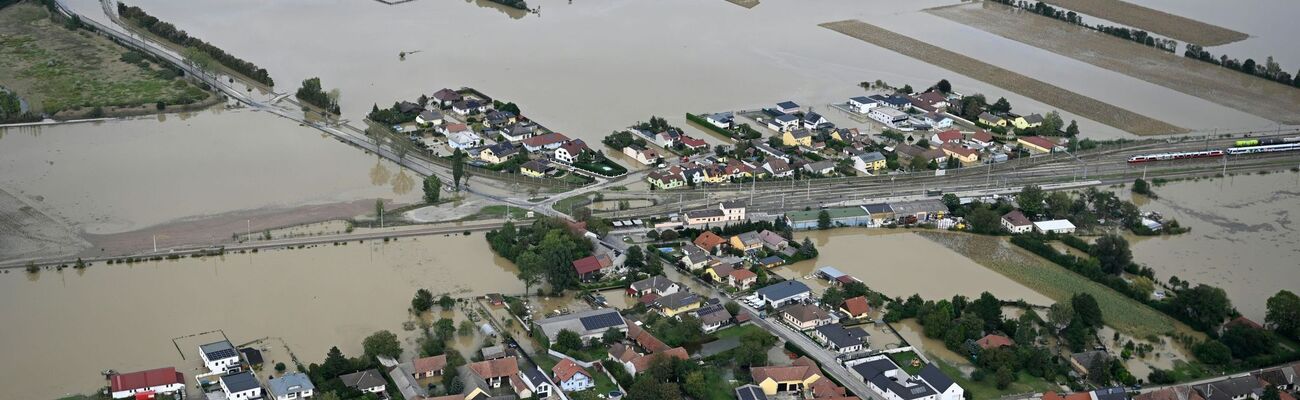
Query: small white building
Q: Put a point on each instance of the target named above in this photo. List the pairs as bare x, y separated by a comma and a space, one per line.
219, 356
783, 293
887, 115
862, 104
161, 380
241, 386
368, 381
1054, 226
571, 377
294, 385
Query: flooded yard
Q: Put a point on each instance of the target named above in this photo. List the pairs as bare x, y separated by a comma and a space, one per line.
125, 317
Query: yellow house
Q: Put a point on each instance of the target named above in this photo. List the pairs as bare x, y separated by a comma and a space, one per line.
798, 137
1037, 144
1030, 121
992, 120
665, 180
497, 153
535, 168
844, 135
965, 155
746, 241
799, 376
720, 271
677, 303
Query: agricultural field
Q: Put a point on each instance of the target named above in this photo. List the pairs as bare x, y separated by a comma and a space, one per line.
1122, 313
1160, 22
1044, 92
62, 70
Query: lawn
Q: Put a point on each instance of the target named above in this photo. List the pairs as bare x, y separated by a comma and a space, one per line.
987, 389
59, 69
499, 211
605, 168
567, 205
740, 331
904, 361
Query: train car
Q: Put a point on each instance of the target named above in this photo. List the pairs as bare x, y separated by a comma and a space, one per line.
1264, 149
1266, 142
1141, 158
1247, 143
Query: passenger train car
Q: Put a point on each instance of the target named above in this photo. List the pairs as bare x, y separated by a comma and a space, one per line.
1264, 149
1175, 156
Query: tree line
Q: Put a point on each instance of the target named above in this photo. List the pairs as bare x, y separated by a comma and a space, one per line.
1131, 34
1268, 70
169, 32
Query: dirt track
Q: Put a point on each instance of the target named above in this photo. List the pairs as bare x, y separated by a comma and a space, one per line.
1231, 89
1160, 22
1047, 93
28, 233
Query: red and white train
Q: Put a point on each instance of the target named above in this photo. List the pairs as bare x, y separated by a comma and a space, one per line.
1175, 156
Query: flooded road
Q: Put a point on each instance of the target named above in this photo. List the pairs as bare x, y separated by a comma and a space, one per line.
124, 317
1243, 238
899, 263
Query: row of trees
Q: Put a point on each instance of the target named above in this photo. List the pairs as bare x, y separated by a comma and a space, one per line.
169, 32
390, 116
1268, 70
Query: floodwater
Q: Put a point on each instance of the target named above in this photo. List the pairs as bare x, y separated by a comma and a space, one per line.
124, 317
1242, 238
913, 333
1271, 33
1164, 355
899, 263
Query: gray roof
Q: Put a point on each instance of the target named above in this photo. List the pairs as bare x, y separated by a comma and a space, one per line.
240, 382
913, 207
904, 387
786, 118
842, 337
862, 99
708, 212
582, 322
293, 382
534, 377
878, 208
787, 104
820, 165
871, 157
1111, 393
218, 350
364, 379
933, 376
1228, 388
750, 392
783, 290
678, 300
658, 282
713, 314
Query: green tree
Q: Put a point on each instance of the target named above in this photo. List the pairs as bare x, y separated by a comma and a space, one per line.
1086, 309
984, 220
1060, 315
918, 163
1073, 129
335, 364
1203, 307
1004, 377
1030, 199
824, 220
1284, 314
635, 258
696, 384
457, 167
432, 189
1140, 186
446, 302
732, 307
807, 249
423, 301
989, 310
1001, 106
943, 86
382, 343
280, 367
1246, 342
568, 340
654, 265
832, 297
1112, 253
1058, 204
1212, 352
951, 201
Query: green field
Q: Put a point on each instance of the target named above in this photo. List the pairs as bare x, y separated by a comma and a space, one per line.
568, 204
57, 69
1056, 282
499, 211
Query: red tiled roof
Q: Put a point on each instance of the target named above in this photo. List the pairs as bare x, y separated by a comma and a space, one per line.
982, 136
1039, 141
146, 379
495, 368
586, 265
693, 142
740, 275
1244, 321
708, 240
1017, 218
993, 341
566, 369
844, 279
547, 139
949, 135
785, 374
1071, 396
643, 362
857, 306
429, 364
824, 388
644, 339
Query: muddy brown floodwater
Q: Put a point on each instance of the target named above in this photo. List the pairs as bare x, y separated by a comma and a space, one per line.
899, 264
1243, 238
124, 317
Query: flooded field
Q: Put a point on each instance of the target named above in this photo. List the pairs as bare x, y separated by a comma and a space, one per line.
914, 334
900, 263
124, 317
1243, 238
1155, 21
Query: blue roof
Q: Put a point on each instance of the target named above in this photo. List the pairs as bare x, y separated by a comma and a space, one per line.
783, 290
771, 260
290, 383
872, 156
786, 117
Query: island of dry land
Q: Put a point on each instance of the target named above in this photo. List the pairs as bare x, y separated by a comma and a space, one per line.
68, 73
1047, 93
1249, 94
1156, 21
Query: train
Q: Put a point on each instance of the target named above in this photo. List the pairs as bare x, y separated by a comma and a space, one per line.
1264, 149
1266, 142
1250, 146
1175, 156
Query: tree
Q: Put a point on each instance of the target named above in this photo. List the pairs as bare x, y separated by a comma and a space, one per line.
732, 307
1112, 253
951, 201
1004, 377
382, 343
824, 220
568, 340
1086, 309
1058, 204
280, 367
423, 301
432, 189
807, 249
1002, 105
918, 163
1060, 315
984, 220
1212, 352
654, 265
1052, 123
989, 309
943, 86
1073, 129
833, 297
446, 302
1246, 342
1140, 186
1203, 307
1248, 66
635, 259
335, 363
457, 167
1030, 199
1284, 314
444, 328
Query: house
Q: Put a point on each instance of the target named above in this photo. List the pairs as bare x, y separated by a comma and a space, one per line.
823, 167
933, 99
548, 141
1238, 388
694, 143
241, 386
1039, 144
742, 278
890, 382
537, 382
994, 341
878, 213
668, 138
587, 267
840, 216
496, 373
571, 377
495, 352
465, 107
862, 104
797, 137
426, 367
500, 118
991, 120
642, 155
705, 216
498, 153
719, 271
964, 155
1283, 378
896, 101
536, 168
219, 356
159, 380
812, 120
252, 357
887, 115
1028, 121
678, 303
694, 258
664, 179
1085, 361
464, 139
787, 107
772, 240
981, 138
773, 261
659, 285
427, 118
589, 325
783, 122
722, 120
641, 363
750, 392
746, 241
845, 134
777, 167
713, 317
1054, 226
783, 293
519, 132
570, 151
796, 377
1016, 222
407, 107
804, 316
446, 97
870, 163
293, 385
840, 339
708, 241
856, 308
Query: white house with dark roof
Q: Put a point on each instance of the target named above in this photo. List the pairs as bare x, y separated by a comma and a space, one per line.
840, 339
589, 325
219, 356
889, 382
721, 120
787, 107
368, 381
294, 385
783, 122
862, 104
783, 293
241, 386
658, 284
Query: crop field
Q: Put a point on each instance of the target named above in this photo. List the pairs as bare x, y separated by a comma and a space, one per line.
1122, 313
1249, 94
1044, 92
1160, 22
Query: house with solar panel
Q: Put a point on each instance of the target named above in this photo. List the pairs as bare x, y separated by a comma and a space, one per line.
241, 386
891, 382
219, 356
589, 325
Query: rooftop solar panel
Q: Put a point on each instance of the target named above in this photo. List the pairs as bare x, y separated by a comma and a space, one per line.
601, 321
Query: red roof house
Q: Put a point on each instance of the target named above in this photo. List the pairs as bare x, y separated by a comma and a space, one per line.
992, 341
162, 380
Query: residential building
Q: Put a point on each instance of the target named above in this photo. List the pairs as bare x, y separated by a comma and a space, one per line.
1084, 361
724, 212
794, 378
783, 123
742, 278
219, 356
840, 339
645, 156
992, 120
782, 293
466, 107
1236, 388
463, 139
536, 168
1016, 222
772, 240
693, 143
773, 261
812, 120
787, 107
589, 325
571, 377
887, 115
241, 386
368, 381
746, 241
589, 267
659, 285
694, 258
1028, 121
677, 303
665, 179
804, 316
862, 104
895, 101
981, 138
870, 163
293, 385
993, 341
496, 373
1039, 144
426, 367
952, 136
495, 352
446, 97
1283, 378
823, 167
768, 151
856, 307
840, 216
570, 150
778, 168
719, 271
846, 134
1054, 226
537, 382
549, 141
890, 382
937, 120
750, 392
668, 138
427, 118
797, 137
518, 132
159, 380
713, 316
708, 241
498, 153
964, 155
722, 120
